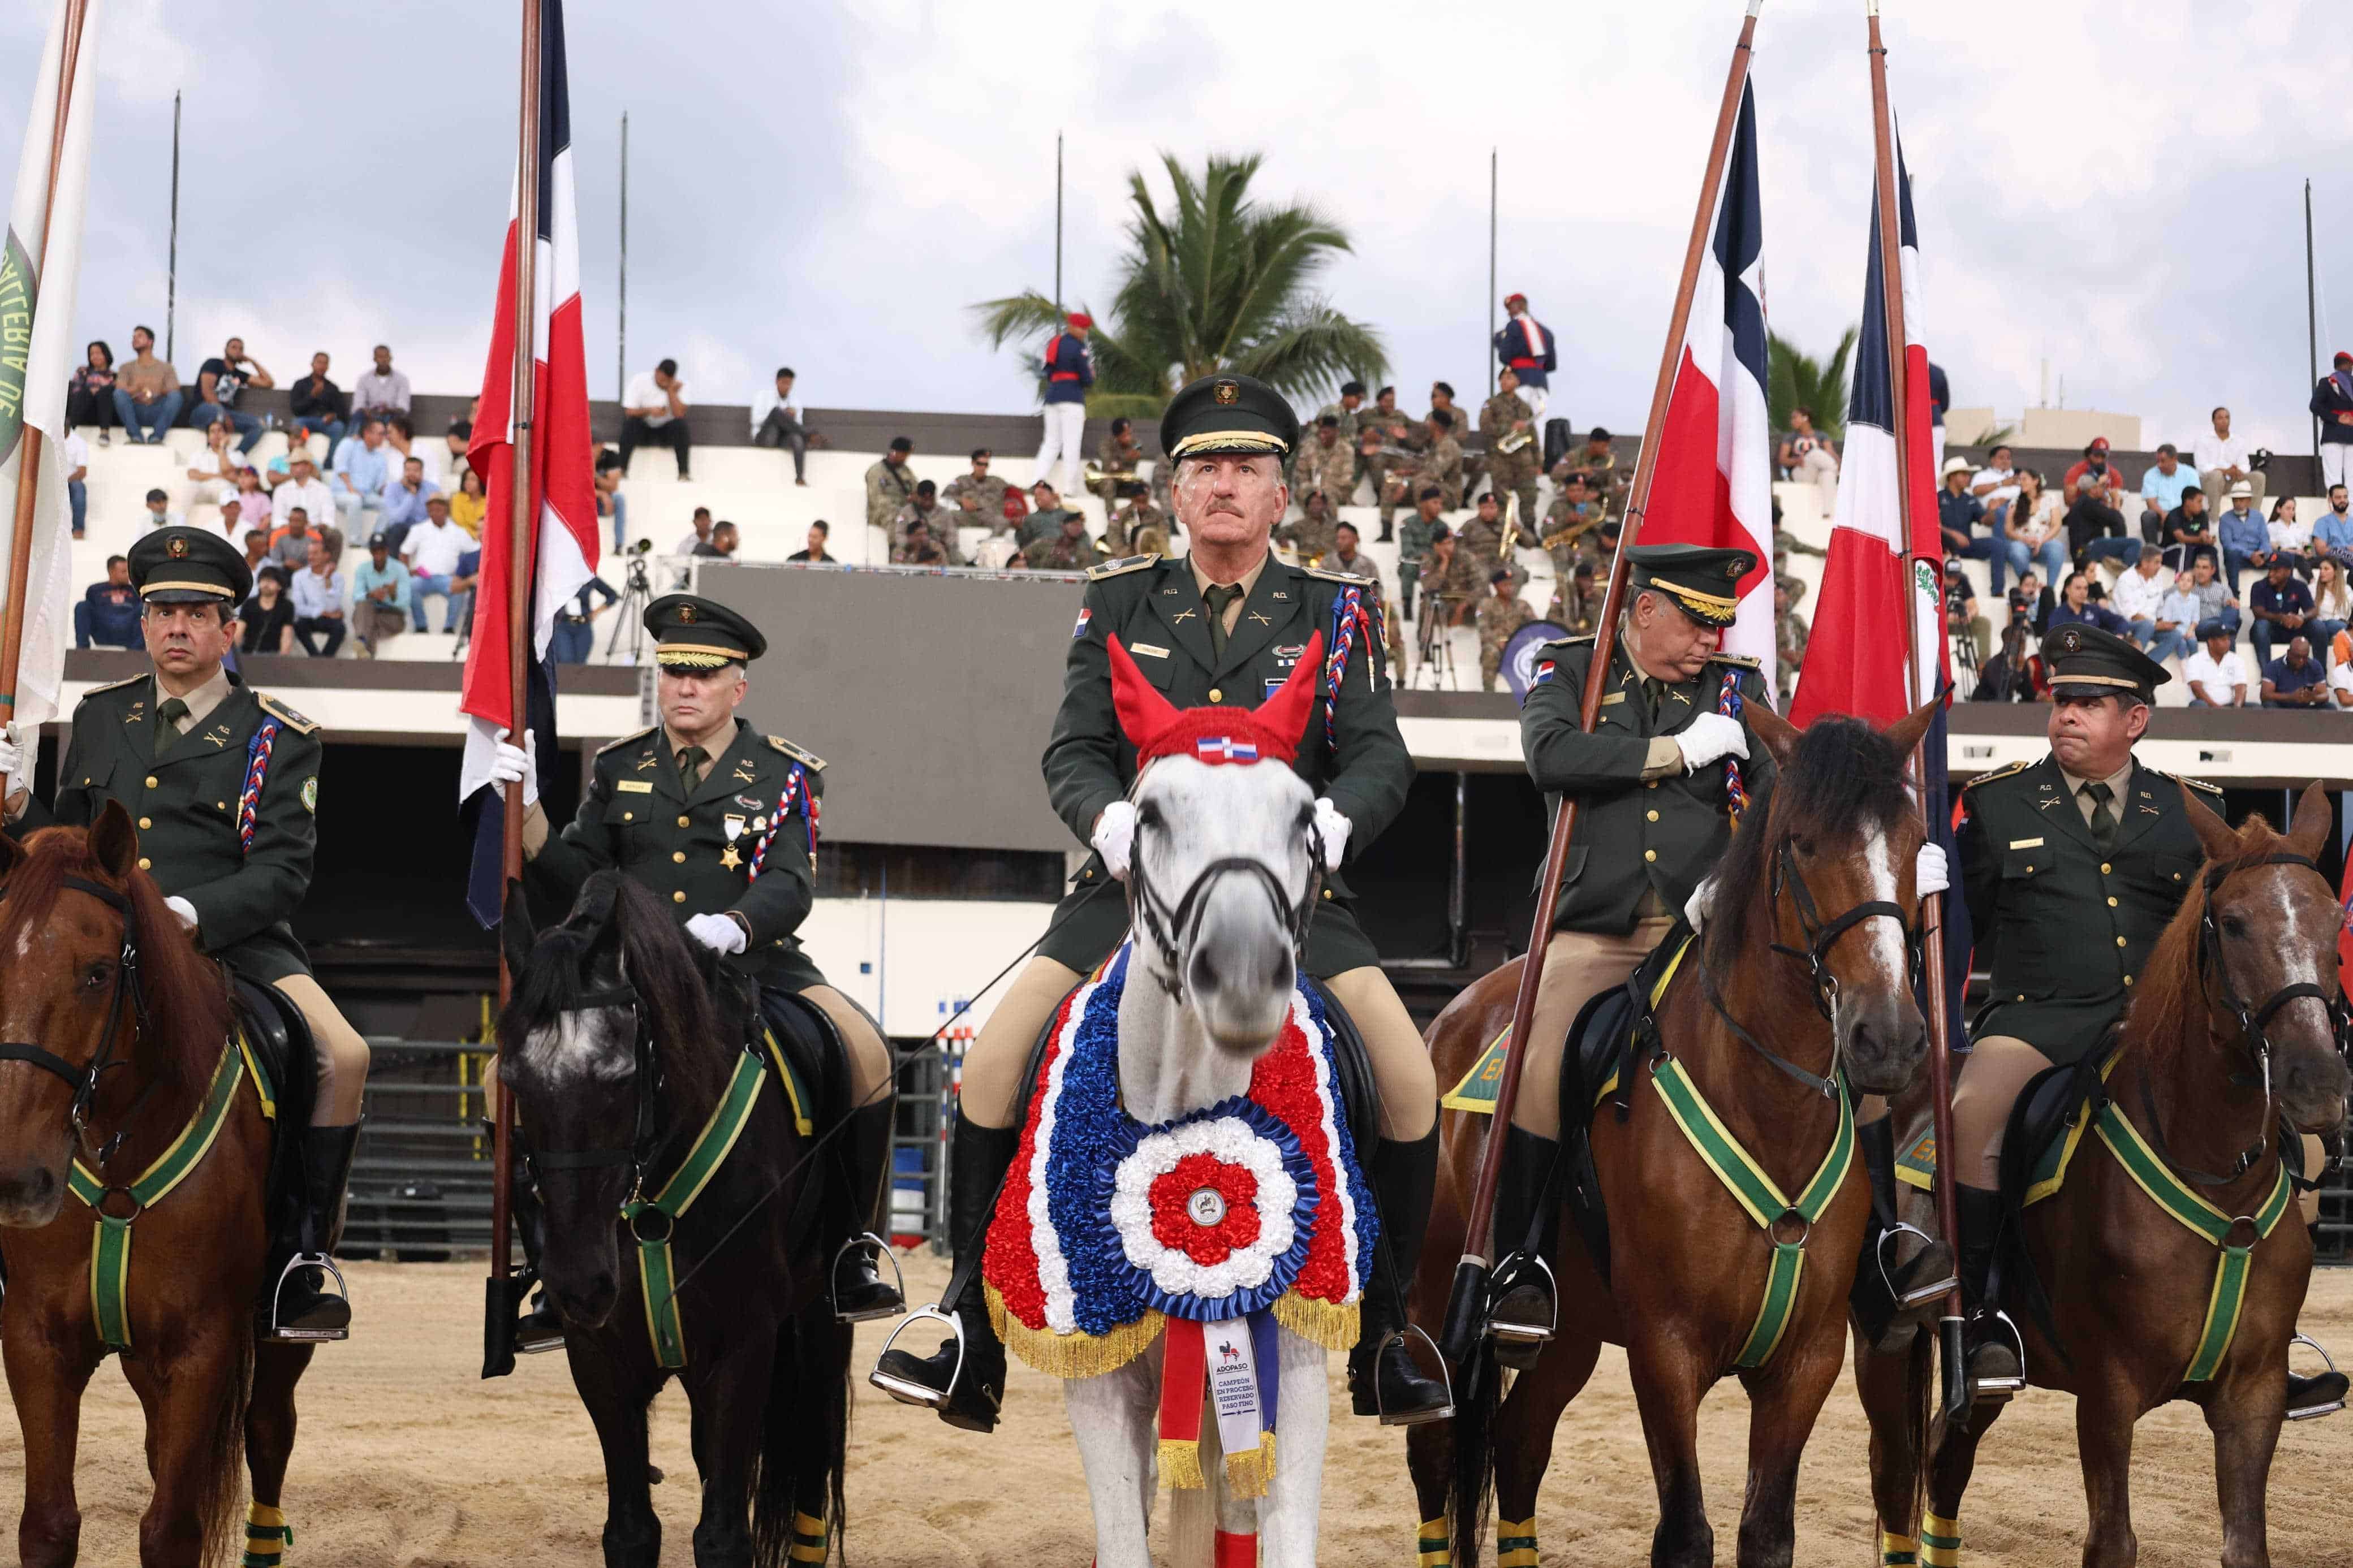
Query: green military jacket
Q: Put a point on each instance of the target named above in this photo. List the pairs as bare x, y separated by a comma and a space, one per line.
1662, 833
695, 849
1155, 607
2064, 926
186, 805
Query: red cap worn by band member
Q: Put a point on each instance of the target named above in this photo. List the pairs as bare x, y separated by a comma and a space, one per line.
1511, 300
2343, 357
1158, 727
1082, 321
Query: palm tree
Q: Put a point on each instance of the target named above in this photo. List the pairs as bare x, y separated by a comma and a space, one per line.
1214, 282
1795, 380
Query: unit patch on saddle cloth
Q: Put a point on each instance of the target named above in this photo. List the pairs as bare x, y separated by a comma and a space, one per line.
1213, 1228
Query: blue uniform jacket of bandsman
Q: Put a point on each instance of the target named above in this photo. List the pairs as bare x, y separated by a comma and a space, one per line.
1069, 369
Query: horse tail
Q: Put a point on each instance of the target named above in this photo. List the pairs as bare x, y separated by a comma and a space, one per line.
1478, 1396
220, 1474
1919, 1396
805, 1438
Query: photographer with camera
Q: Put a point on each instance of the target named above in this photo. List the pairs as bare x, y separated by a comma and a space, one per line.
1970, 632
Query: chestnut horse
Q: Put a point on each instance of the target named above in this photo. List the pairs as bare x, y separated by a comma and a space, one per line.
123, 1024
1779, 968
2231, 1033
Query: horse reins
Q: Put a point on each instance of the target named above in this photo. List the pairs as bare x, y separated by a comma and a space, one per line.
84, 1081
640, 1151
1169, 928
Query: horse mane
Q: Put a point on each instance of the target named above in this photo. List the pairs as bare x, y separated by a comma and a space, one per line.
2169, 995
185, 995
1844, 775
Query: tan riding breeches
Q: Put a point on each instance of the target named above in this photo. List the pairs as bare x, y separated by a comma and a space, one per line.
342, 1056
1578, 965
1401, 1070
869, 1057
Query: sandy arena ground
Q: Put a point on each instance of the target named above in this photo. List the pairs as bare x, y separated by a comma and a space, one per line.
406, 1459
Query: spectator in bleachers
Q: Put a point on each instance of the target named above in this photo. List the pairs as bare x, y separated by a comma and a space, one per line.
1326, 463
890, 485
400, 435
574, 637
432, 551
360, 472
1450, 579
1046, 517
2178, 615
701, 536
1136, 519
160, 514
2332, 404
320, 624
2332, 534
2214, 674
2245, 539
213, 469
252, 502
1118, 456
1068, 549
470, 572
455, 463
2295, 679
220, 381
1501, 615
2161, 489
1603, 477
916, 547
2077, 606
107, 615
813, 549
74, 456
318, 404
925, 508
2139, 591
467, 507
382, 390
1963, 621
268, 616
380, 591
653, 414
290, 541
2033, 529
2095, 528
304, 489
1808, 456
1958, 515
1346, 555
1421, 528
981, 482
721, 544
2332, 602
607, 485
257, 549
232, 520
1996, 484
2190, 532
2280, 604
1440, 464
405, 498
2095, 470
147, 396
2291, 536
2215, 600
776, 422
2032, 595
1481, 537
89, 393
1309, 536
2223, 460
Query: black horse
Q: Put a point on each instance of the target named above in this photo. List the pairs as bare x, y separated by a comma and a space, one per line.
621, 1047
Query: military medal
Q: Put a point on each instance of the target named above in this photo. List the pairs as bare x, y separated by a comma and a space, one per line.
729, 858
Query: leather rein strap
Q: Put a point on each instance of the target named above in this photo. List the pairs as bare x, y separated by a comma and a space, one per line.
84, 1079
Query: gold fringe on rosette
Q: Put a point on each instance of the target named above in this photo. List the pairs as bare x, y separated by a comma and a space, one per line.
1333, 1326
1248, 1474
1074, 1355
1180, 1464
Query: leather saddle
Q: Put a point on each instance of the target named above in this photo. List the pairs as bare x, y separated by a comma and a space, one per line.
278, 1040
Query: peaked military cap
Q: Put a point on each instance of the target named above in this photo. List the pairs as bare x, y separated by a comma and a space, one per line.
1703, 582
2088, 662
1229, 413
184, 565
695, 633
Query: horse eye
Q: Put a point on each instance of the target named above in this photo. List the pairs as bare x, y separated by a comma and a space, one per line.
1306, 817
95, 979
1148, 815
2234, 926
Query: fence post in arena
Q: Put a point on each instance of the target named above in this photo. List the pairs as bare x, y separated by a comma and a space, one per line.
1931, 923
1466, 1307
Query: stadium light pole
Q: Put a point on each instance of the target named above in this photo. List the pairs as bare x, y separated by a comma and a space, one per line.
1488, 352
2311, 326
172, 256
621, 336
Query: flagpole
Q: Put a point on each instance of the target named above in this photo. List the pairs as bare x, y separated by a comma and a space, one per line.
2311, 328
519, 573
1932, 925
28, 464
622, 341
1466, 1307
1492, 190
1058, 223
172, 255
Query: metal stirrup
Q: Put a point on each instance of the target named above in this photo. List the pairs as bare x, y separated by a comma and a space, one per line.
1918, 1295
916, 1394
2313, 1412
1508, 1278
869, 1241
282, 1331
1995, 1390
1398, 1336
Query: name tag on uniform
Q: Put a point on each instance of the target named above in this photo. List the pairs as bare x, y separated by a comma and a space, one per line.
634, 786
1148, 650
2026, 843
1613, 696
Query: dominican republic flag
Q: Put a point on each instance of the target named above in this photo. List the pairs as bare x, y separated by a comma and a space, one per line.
1713, 484
563, 492
40, 259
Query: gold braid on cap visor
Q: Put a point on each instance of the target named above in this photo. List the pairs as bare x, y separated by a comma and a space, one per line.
1708, 607
696, 656
220, 590
1229, 441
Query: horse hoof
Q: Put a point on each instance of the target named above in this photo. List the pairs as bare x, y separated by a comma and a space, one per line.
653, 1474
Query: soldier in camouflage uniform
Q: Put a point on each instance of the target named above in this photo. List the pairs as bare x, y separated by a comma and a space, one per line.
1604, 476
890, 485
1440, 465
1345, 411
1576, 600
1483, 539
1134, 520
1451, 580
1310, 537
1385, 443
1413, 544
1789, 633
1046, 516
1466, 421
937, 521
1117, 457
1326, 462
1500, 614
982, 483
1345, 556
1505, 414
916, 547
1572, 527
1069, 549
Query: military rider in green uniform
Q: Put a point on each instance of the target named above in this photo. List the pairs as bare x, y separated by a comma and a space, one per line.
721, 820
177, 748
1226, 625
2072, 866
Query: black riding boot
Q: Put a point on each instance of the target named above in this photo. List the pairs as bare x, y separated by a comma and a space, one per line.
1383, 1380
977, 1161
537, 1329
1993, 1360
1888, 1286
1526, 1298
305, 1308
860, 1291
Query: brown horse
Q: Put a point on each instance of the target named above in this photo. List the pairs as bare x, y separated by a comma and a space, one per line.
2231, 1033
133, 1020
1684, 1279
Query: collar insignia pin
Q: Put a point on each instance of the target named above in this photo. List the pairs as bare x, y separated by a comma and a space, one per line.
1184, 616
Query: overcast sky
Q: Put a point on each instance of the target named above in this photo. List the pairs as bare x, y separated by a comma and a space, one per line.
2115, 189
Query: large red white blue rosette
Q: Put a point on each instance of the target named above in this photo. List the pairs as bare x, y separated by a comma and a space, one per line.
1211, 1214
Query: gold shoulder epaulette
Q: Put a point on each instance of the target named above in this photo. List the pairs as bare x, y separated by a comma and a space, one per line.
1118, 568
806, 759
1741, 659
1997, 774
627, 740
287, 716
112, 686
2214, 789
1582, 640
1329, 575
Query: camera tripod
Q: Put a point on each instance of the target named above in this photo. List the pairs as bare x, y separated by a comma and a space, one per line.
1433, 652
637, 593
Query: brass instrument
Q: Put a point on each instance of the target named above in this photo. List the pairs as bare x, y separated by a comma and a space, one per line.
1512, 441
1094, 474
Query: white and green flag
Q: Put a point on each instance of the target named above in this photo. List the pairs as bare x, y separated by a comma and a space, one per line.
40, 259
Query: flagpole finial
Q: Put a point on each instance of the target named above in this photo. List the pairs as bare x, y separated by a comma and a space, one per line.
1755, 7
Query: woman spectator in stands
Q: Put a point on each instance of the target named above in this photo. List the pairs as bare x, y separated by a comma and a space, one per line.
268, 616
2332, 602
215, 468
89, 393
253, 502
2032, 525
2291, 537
466, 505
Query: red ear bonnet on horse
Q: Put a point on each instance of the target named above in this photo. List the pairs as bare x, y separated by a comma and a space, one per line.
1158, 727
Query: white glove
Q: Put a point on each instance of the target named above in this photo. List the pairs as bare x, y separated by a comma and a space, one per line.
1115, 838
1334, 829
12, 755
1707, 738
1928, 871
720, 933
185, 909
1695, 907
509, 763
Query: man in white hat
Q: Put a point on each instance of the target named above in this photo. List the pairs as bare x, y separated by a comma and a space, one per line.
2245, 540
1957, 514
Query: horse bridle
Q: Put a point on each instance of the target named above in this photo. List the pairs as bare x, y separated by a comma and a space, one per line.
1168, 926
84, 1079
640, 1151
